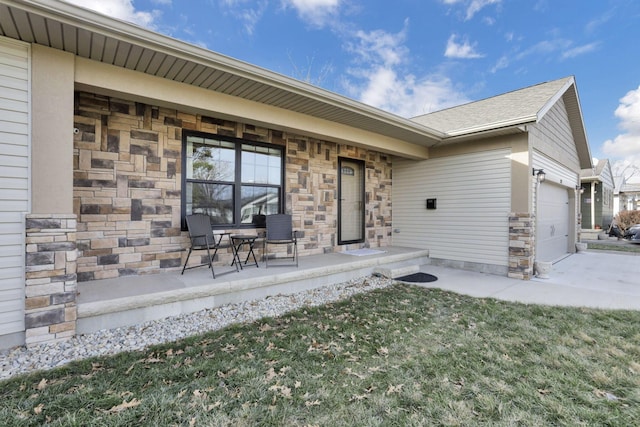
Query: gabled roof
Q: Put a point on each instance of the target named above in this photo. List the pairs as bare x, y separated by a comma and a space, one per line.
513, 108
596, 171
91, 35
601, 172
509, 112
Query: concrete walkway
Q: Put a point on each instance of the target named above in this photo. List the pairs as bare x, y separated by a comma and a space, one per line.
591, 279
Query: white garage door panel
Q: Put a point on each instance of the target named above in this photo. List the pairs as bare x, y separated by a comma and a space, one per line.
553, 222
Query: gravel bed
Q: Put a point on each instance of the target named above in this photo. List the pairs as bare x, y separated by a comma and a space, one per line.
21, 360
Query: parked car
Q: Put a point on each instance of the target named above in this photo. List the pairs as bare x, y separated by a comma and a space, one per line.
614, 231
633, 233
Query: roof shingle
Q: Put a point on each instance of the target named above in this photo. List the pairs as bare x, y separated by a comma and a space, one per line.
502, 110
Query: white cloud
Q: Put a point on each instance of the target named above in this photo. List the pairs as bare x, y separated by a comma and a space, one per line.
251, 17
472, 6
627, 169
600, 21
626, 146
248, 12
120, 9
380, 46
463, 50
556, 48
379, 78
408, 97
545, 47
315, 12
503, 62
579, 50
489, 21
476, 5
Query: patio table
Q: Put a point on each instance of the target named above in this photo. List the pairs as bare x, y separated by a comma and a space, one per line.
239, 240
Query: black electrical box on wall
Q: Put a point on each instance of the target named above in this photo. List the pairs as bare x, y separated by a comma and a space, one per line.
431, 203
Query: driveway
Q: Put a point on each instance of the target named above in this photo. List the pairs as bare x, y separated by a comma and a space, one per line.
591, 279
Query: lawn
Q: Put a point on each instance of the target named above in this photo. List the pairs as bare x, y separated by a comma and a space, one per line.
399, 356
629, 247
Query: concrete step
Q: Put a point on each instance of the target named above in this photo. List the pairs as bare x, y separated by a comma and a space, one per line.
394, 273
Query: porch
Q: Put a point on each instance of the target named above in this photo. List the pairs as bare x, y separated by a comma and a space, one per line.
130, 300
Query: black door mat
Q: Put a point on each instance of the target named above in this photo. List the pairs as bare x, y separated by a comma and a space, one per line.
418, 278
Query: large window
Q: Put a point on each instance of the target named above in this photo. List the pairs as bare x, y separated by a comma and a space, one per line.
235, 182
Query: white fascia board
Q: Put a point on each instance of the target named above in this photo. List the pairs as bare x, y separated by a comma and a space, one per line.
131, 33
493, 126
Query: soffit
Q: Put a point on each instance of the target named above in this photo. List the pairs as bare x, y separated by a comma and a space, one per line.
90, 35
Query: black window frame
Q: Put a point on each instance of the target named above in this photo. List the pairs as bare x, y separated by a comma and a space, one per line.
236, 183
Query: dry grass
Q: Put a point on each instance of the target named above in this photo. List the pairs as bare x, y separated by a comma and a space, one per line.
404, 356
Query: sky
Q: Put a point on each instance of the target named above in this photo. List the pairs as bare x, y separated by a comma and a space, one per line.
412, 57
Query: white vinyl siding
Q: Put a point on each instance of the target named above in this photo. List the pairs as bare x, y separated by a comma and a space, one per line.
553, 137
607, 177
470, 223
554, 171
14, 180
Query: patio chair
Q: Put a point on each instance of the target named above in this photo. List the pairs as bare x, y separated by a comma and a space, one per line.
279, 231
202, 238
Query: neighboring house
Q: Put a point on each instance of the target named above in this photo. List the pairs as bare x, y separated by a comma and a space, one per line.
110, 134
627, 197
597, 189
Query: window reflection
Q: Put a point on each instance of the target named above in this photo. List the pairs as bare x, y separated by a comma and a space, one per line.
257, 202
234, 183
261, 165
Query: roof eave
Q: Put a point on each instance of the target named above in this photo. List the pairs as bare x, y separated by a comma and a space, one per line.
489, 127
575, 118
131, 33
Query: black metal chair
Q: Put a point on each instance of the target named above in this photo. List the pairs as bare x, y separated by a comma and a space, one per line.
202, 238
279, 231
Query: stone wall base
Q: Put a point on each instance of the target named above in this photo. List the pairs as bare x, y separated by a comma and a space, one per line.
521, 245
51, 285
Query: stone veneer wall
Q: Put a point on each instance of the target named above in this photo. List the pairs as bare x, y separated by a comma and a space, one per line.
521, 245
50, 304
127, 186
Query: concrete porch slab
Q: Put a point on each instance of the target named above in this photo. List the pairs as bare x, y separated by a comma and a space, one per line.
124, 301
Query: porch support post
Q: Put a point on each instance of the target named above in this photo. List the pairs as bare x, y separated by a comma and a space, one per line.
51, 285
521, 245
50, 270
593, 204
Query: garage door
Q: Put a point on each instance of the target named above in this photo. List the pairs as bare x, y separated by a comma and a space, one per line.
552, 234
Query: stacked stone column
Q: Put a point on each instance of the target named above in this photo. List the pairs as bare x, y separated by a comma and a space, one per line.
521, 245
51, 285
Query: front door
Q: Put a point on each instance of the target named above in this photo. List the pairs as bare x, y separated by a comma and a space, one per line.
350, 201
